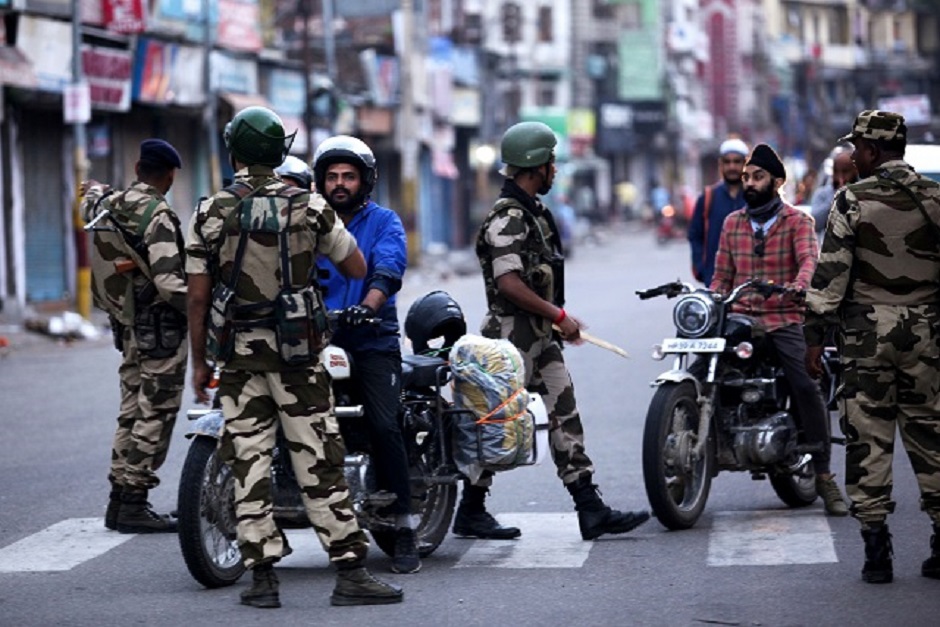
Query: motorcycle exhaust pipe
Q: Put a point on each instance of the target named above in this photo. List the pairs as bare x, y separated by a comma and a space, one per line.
352, 411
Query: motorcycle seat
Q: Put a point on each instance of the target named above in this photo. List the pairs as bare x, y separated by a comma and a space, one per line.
420, 371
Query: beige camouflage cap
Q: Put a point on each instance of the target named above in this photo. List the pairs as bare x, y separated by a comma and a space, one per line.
877, 125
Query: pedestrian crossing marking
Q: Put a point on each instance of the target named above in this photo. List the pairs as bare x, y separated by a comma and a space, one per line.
770, 538
547, 541
61, 546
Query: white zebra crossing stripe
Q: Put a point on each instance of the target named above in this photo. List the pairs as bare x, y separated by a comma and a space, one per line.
769, 538
547, 541
61, 546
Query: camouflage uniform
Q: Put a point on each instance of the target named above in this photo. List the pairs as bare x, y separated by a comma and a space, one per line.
514, 238
258, 390
878, 280
151, 387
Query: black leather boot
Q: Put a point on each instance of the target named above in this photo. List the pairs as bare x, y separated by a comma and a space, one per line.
264, 588
878, 553
114, 506
931, 566
595, 518
357, 586
135, 515
473, 521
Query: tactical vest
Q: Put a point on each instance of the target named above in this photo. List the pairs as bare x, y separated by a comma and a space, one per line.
897, 250
542, 263
256, 283
120, 261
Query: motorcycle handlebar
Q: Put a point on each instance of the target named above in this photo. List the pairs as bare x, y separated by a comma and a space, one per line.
669, 290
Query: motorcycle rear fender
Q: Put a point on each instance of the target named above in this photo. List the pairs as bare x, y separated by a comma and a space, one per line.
208, 423
678, 376
540, 413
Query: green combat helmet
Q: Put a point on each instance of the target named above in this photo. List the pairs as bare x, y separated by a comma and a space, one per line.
256, 136
528, 145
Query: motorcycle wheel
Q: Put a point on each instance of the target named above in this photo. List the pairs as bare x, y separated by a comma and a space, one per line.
207, 517
677, 486
433, 503
795, 489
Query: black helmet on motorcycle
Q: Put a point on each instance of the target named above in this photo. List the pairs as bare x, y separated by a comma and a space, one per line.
434, 315
344, 149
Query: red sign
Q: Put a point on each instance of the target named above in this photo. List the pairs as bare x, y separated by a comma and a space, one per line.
124, 16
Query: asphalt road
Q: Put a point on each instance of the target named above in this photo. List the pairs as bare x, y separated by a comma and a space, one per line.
749, 561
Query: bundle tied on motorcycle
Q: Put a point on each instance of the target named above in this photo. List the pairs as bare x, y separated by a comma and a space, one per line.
495, 430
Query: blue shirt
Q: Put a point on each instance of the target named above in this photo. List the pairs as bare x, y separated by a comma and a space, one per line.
381, 238
703, 252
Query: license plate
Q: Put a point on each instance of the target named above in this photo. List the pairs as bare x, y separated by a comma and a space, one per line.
687, 345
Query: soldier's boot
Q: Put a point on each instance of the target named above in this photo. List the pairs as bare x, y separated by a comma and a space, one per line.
828, 490
878, 567
114, 506
931, 566
357, 586
473, 521
264, 588
135, 515
595, 518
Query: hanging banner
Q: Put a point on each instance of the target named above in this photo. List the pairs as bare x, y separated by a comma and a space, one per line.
108, 72
167, 73
239, 25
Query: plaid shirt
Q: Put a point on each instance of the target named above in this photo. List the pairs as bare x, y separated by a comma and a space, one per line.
790, 254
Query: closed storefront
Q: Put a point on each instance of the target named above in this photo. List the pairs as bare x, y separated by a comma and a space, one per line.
46, 205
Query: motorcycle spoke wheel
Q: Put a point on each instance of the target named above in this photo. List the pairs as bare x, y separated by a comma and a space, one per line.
677, 482
207, 517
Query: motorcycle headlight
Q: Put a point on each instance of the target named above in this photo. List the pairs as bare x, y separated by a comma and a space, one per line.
693, 315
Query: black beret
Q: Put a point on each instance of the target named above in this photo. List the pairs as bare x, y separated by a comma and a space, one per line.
764, 157
159, 152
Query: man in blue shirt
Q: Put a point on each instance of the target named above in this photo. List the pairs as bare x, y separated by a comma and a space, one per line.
713, 206
344, 173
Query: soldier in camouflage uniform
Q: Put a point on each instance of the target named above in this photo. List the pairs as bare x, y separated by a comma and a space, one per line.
878, 282
253, 296
520, 252
138, 278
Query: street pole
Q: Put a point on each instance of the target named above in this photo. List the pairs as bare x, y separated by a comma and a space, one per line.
308, 67
80, 163
212, 104
408, 141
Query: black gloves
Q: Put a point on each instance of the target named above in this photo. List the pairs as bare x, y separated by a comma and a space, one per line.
356, 316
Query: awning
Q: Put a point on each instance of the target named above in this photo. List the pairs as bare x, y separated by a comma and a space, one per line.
16, 69
243, 101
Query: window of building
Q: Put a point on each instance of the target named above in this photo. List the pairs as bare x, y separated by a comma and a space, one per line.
839, 26
602, 10
546, 32
632, 16
545, 96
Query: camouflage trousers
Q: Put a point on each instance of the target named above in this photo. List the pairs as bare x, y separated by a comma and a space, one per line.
254, 403
891, 384
547, 375
151, 392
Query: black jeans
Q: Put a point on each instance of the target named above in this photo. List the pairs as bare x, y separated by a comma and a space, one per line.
377, 385
811, 413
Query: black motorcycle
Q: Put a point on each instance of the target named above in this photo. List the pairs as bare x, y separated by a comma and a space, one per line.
724, 405
207, 525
